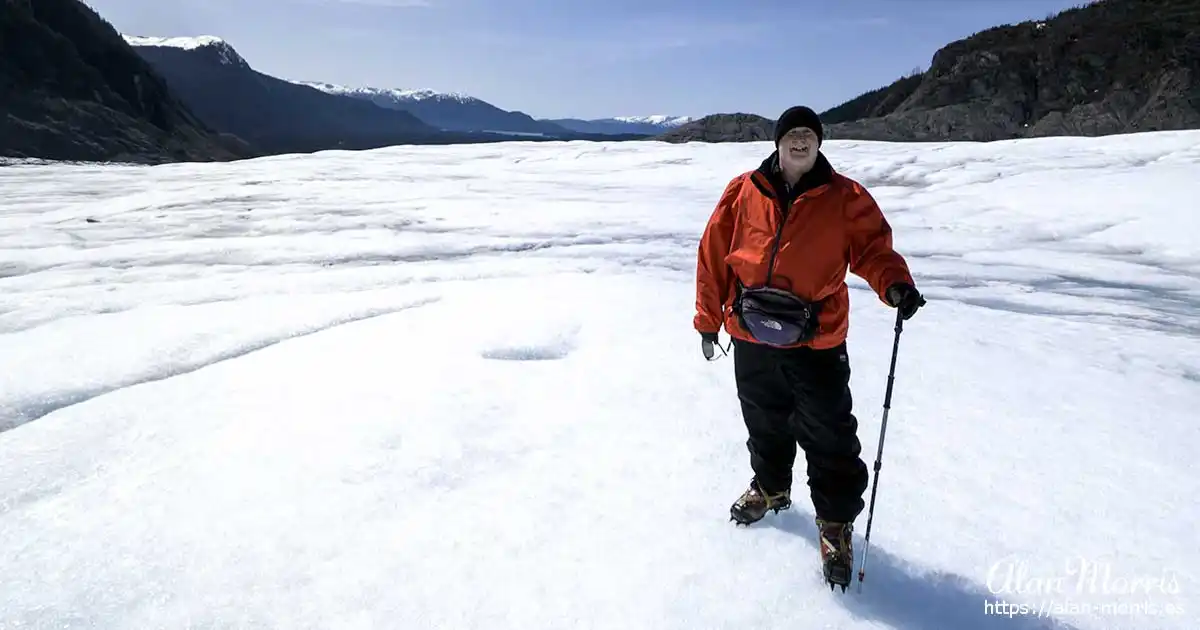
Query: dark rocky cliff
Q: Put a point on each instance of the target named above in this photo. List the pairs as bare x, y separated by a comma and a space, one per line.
71, 88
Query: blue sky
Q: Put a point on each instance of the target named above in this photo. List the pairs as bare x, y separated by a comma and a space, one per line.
589, 58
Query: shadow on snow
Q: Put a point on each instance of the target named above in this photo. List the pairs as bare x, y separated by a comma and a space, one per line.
899, 599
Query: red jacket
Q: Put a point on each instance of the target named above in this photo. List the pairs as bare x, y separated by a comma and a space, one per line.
833, 226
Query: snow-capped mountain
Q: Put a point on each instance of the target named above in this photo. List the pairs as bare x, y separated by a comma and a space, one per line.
451, 111
225, 54
657, 120
391, 93
462, 112
645, 125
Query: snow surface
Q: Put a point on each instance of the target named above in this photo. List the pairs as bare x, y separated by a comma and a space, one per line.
457, 387
186, 43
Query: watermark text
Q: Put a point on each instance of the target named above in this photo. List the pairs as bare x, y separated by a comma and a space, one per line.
1081, 587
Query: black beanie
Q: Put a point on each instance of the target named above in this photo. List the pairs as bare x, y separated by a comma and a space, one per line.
799, 116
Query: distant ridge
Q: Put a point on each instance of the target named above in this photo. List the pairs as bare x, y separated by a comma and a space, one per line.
648, 125
449, 111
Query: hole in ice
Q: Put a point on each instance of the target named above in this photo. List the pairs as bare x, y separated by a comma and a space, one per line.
551, 352
545, 344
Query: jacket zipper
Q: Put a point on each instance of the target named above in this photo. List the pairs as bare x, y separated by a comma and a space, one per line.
783, 216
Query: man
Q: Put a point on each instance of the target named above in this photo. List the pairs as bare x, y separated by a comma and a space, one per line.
771, 270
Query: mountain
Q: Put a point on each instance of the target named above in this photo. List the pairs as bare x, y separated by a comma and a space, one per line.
1114, 66
647, 125
273, 115
737, 127
72, 89
448, 111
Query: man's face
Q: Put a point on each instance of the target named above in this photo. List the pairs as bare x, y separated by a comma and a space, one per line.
798, 149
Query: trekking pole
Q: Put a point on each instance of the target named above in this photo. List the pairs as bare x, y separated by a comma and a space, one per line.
887, 404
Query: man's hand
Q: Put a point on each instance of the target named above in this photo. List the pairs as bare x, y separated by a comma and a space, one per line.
707, 341
906, 298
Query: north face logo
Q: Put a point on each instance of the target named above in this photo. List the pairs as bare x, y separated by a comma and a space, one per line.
772, 324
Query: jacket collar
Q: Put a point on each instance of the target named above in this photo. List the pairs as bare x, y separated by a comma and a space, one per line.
770, 173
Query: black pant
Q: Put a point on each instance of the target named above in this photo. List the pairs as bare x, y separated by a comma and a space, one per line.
802, 396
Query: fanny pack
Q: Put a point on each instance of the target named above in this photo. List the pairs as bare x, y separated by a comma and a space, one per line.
776, 317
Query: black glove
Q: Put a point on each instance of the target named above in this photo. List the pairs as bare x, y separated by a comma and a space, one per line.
707, 341
906, 298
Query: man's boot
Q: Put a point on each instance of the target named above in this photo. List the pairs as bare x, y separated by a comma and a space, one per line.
837, 552
754, 504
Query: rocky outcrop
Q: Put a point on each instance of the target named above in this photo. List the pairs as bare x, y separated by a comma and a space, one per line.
1114, 66
723, 128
